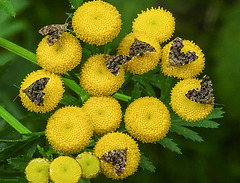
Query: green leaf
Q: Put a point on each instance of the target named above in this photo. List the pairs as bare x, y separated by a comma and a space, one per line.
68, 99
146, 85
19, 163
187, 133
216, 113
76, 88
137, 91
145, 164
7, 7
13, 122
76, 3
205, 123
13, 180
168, 143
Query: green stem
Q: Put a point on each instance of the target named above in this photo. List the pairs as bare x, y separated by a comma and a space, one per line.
18, 50
13, 122
122, 97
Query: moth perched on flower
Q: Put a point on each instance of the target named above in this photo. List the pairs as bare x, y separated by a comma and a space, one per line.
35, 91
178, 58
140, 48
54, 31
203, 95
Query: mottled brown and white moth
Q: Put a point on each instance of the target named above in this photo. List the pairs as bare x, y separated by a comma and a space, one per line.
35, 91
178, 58
140, 48
203, 95
54, 31
118, 158
114, 61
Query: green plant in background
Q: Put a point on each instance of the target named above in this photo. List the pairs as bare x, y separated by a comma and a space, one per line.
87, 117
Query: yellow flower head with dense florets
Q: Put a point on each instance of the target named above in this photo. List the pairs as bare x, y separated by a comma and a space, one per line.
115, 141
68, 130
53, 91
105, 114
185, 71
65, 169
63, 56
140, 64
97, 80
37, 170
89, 163
96, 22
147, 119
157, 23
184, 107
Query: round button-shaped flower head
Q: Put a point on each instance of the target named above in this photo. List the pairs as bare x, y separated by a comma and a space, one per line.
65, 169
184, 107
63, 56
147, 119
128, 162
41, 91
68, 130
90, 165
96, 22
97, 80
156, 22
37, 171
140, 64
183, 71
104, 113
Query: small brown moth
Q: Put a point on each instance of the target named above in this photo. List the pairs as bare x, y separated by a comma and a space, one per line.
114, 61
203, 95
118, 158
54, 31
35, 91
140, 48
178, 58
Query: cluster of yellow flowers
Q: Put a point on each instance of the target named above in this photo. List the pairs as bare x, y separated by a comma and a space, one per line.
147, 119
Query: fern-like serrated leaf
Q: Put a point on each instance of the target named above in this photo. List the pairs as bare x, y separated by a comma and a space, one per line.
76, 3
146, 164
216, 113
186, 132
82, 180
19, 163
168, 143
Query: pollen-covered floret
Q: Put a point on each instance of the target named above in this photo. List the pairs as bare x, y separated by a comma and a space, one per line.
105, 114
147, 119
96, 22
69, 130
155, 22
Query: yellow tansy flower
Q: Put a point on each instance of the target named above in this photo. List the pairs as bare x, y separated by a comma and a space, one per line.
97, 80
89, 163
140, 64
114, 141
37, 170
185, 71
68, 130
105, 114
65, 169
63, 56
147, 119
184, 107
96, 22
157, 23
53, 91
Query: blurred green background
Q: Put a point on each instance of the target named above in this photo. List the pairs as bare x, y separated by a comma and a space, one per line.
214, 25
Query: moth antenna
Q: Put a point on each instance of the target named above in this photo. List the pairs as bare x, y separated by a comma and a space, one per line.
15, 97
218, 104
16, 86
